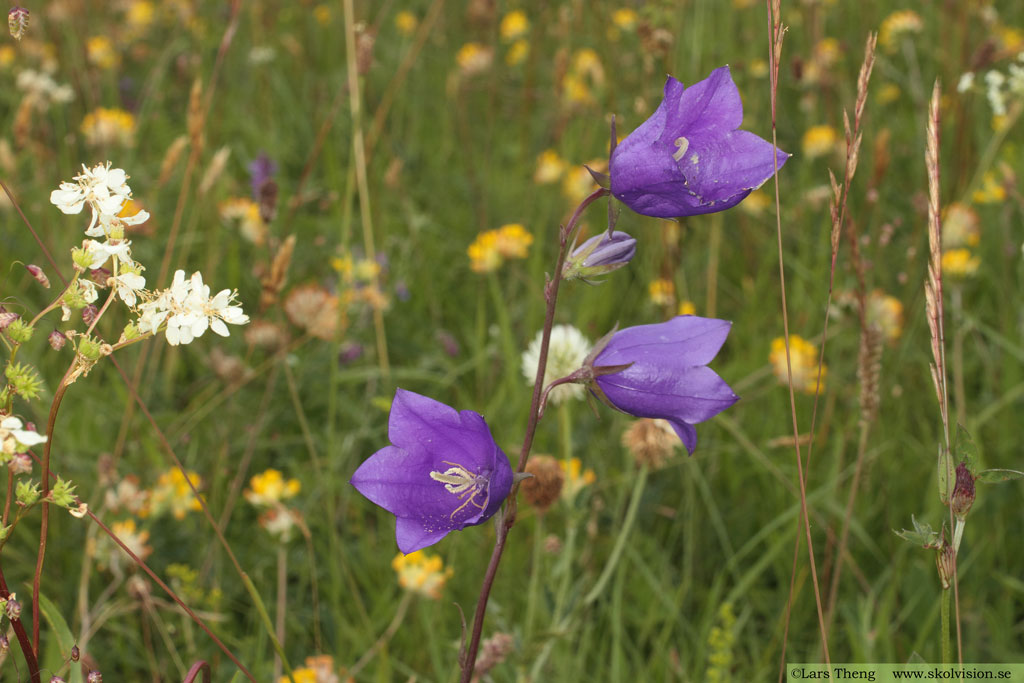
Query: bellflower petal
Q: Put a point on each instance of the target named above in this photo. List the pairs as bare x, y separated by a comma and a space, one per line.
442, 473
689, 158
667, 375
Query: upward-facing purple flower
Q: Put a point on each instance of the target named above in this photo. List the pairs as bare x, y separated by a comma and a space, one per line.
689, 158
667, 375
443, 471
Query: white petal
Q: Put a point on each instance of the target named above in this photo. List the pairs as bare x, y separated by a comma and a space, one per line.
218, 326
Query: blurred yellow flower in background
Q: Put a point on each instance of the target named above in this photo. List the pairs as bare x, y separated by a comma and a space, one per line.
247, 213
173, 494
886, 313
513, 25
959, 263
103, 127
270, 487
960, 226
421, 573
662, 292
687, 308
491, 247
819, 141
804, 359
473, 58
576, 478
517, 52
100, 52
550, 167
898, 25
406, 22
624, 19
990, 192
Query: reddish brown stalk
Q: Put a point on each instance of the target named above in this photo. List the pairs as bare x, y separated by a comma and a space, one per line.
46, 252
22, 635
468, 658
199, 667
776, 34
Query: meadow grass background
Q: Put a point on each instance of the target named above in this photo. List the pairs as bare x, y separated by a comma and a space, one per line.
455, 156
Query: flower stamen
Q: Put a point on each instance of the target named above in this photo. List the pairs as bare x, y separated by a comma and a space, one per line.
460, 481
683, 144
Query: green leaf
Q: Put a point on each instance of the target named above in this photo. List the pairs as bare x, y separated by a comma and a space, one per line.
965, 450
947, 475
65, 641
922, 534
998, 476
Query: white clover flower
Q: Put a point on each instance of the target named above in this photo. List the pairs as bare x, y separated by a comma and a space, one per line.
966, 82
15, 439
566, 353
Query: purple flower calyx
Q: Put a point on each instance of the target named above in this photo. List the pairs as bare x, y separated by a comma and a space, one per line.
599, 255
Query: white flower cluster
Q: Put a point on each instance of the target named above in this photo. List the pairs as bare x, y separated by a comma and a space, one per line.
999, 87
184, 310
567, 350
42, 89
188, 310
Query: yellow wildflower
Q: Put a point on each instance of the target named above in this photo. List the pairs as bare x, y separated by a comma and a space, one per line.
421, 573
303, 675
110, 555
578, 183
513, 25
960, 226
517, 52
270, 487
406, 22
756, 203
758, 68
247, 213
898, 25
7, 55
819, 141
483, 252
1010, 38
550, 167
959, 263
173, 494
140, 14
888, 93
100, 52
662, 292
804, 359
586, 63
322, 14
575, 90
990, 192
103, 127
513, 241
473, 58
827, 52
886, 313
576, 478
624, 19
687, 308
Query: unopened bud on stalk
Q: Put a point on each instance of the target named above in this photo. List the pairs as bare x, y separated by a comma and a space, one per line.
17, 22
89, 314
963, 492
20, 463
6, 318
57, 340
600, 254
75, 653
945, 561
12, 609
37, 272
94, 677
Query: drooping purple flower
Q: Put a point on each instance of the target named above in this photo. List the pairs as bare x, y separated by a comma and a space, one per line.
689, 158
442, 473
600, 254
666, 375
261, 170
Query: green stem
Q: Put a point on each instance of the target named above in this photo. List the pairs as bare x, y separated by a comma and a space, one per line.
535, 570
267, 624
947, 643
620, 542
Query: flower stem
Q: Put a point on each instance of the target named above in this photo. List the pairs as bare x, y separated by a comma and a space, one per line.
468, 658
947, 643
620, 542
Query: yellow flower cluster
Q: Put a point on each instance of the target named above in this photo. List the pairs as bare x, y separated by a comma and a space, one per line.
247, 213
662, 292
585, 73
173, 494
318, 669
819, 141
406, 22
959, 263
103, 127
898, 25
473, 58
804, 359
491, 247
960, 226
514, 25
421, 573
270, 487
886, 313
576, 478
100, 52
990, 192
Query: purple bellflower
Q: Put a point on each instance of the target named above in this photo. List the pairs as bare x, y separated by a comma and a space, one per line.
689, 158
660, 371
443, 471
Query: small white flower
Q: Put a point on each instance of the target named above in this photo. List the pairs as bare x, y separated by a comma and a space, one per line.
15, 439
566, 353
105, 189
188, 310
966, 82
127, 284
100, 252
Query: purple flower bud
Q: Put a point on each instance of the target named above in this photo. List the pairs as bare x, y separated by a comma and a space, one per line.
963, 492
37, 272
444, 471
17, 22
75, 653
13, 609
94, 677
599, 255
20, 463
100, 276
261, 169
57, 340
89, 314
689, 158
349, 353
660, 371
7, 317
